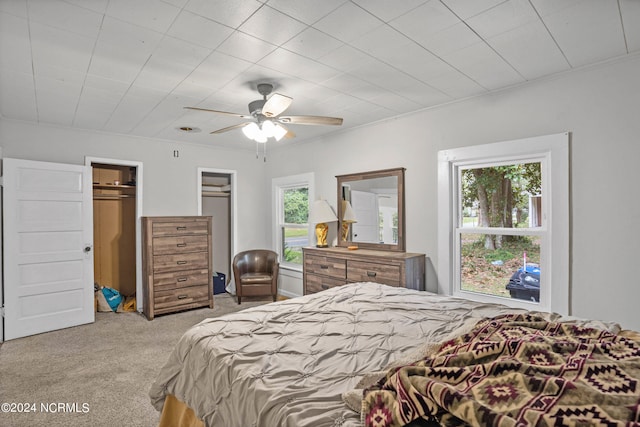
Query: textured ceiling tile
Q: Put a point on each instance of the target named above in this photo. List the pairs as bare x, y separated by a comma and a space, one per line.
348, 22
52, 47
231, 13
312, 43
172, 49
467, 8
587, 34
631, 21
307, 11
502, 18
15, 46
288, 62
152, 14
345, 58
65, 16
15, 7
199, 30
530, 50
423, 22
387, 10
272, 26
147, 57
246, 47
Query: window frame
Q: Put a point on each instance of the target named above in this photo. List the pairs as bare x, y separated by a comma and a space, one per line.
278, 187
552, 151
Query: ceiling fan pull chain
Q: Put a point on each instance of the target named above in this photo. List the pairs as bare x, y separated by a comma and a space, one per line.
256, 150
264, 152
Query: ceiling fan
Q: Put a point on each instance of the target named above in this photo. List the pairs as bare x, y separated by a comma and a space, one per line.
266, 119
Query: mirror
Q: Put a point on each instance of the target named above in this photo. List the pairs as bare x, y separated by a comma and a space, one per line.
371, 210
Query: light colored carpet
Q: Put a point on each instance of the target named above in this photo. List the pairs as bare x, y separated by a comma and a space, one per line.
102, 371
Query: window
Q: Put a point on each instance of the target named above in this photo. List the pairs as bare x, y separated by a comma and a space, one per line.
503, 221
291, 212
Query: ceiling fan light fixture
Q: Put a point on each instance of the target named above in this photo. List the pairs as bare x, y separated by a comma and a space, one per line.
279, 132
251, 130
260, 137
268, 128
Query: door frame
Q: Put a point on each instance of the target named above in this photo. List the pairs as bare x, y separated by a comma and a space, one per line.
88, 161
1, 257
233, 205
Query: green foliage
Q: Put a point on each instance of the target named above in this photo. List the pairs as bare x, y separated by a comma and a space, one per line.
296, 206
500, 191
293, 255
499, 255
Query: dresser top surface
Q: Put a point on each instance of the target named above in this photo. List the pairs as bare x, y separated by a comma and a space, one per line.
361, 252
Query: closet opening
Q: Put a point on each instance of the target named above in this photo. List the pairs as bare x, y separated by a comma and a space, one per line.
114, 236
216, 191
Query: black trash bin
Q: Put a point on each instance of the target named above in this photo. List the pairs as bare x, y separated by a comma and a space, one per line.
525, 283
219, 283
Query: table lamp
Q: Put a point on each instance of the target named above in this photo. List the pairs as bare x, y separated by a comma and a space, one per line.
321, 214
348, 218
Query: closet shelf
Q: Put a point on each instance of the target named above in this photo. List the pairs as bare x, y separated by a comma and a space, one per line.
215, 194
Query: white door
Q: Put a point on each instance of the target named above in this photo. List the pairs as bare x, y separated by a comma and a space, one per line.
48, 240
365, 208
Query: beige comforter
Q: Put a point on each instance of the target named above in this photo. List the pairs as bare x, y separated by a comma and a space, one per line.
288, 363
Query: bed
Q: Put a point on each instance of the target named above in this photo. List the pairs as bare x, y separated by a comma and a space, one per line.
306, 361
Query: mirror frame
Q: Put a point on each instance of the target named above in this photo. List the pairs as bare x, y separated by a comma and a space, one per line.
396, 172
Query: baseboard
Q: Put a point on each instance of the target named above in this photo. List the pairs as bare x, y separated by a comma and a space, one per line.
287, 294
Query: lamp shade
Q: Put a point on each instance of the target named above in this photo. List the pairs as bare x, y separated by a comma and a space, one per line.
321, 212
348, 215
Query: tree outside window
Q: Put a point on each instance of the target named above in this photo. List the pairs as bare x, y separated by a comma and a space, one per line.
294, 225
500, 198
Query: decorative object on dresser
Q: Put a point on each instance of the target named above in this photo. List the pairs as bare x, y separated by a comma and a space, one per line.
256, 273
330, 267
348, 218
321, 213
176, 258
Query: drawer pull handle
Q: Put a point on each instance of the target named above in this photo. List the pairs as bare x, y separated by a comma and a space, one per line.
181, 245
181, 262
182, 296
323, 286
324, 267
181, 228
371, 273
182, 279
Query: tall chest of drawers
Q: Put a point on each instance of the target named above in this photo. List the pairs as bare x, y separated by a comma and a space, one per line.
326, 268
176, 256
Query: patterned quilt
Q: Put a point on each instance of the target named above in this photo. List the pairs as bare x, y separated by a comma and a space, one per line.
515, 370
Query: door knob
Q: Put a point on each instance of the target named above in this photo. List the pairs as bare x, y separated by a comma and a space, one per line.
87, 249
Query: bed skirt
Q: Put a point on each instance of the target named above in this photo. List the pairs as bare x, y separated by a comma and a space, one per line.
177, 414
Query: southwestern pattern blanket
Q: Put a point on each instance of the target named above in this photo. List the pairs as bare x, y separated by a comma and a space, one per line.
515, 370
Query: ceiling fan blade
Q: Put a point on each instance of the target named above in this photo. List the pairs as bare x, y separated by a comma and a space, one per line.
244, 116
276, 104
228, 128
311, 120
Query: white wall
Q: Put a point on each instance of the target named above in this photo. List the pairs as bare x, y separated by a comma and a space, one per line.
598, 105
169, 183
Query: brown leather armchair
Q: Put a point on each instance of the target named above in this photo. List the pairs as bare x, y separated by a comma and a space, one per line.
256, 273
